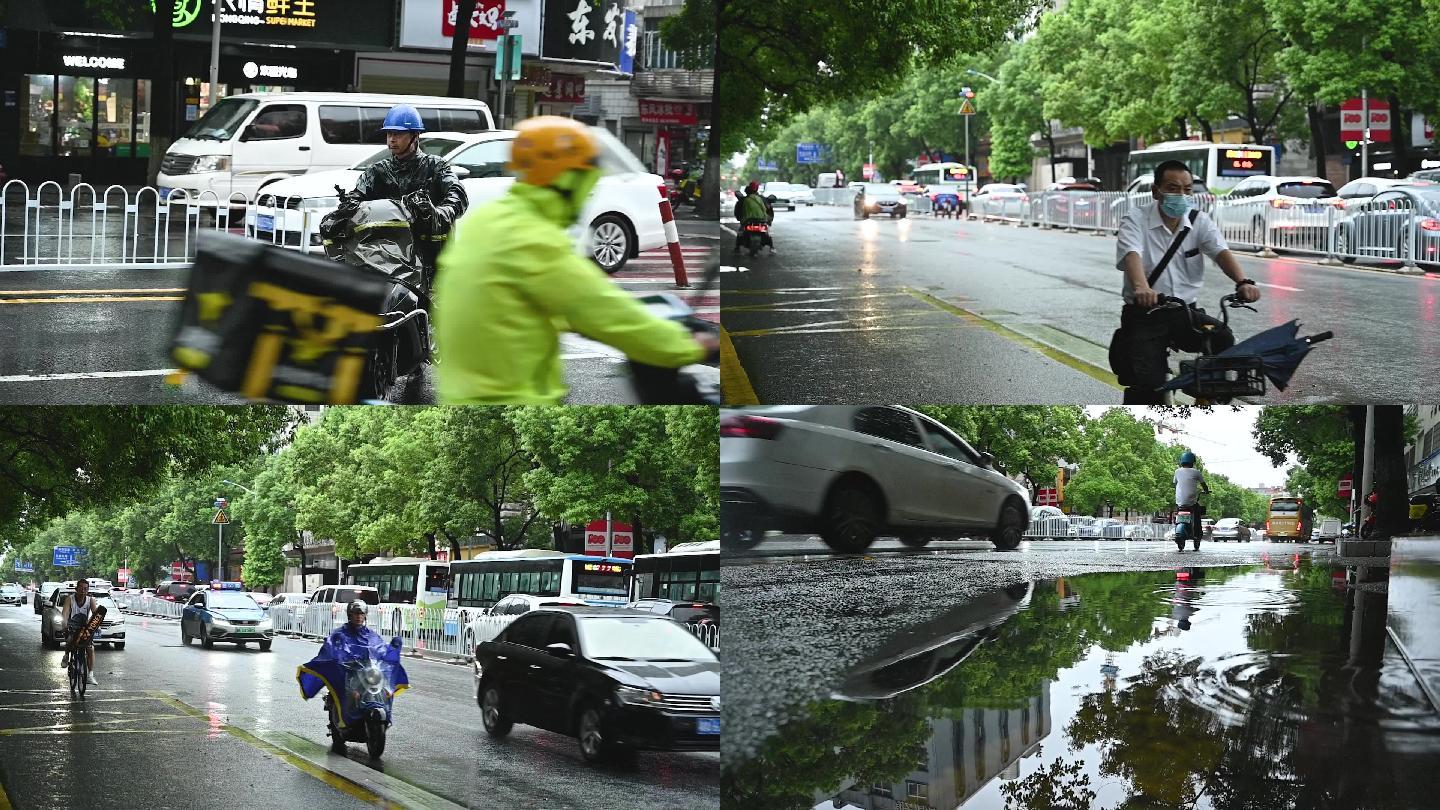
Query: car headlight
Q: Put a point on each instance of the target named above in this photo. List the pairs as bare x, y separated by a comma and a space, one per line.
221, 624
211, 163
266, 624
632, 696
320, 204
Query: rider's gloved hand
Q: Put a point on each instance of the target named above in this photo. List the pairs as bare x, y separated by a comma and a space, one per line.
711, 343
1248, 292
1146, 297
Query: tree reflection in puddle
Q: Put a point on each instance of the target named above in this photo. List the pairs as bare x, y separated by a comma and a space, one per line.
1280, 691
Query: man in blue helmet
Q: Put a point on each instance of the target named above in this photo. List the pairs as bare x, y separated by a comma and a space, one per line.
409, 170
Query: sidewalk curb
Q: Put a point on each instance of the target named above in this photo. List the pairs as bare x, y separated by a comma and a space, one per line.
1414, 670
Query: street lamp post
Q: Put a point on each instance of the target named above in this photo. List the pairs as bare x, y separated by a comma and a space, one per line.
221, 503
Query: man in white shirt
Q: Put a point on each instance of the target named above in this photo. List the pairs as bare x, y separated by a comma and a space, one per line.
1189, 483
1145, 235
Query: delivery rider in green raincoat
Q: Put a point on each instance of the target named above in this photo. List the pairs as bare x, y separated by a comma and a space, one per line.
510, 282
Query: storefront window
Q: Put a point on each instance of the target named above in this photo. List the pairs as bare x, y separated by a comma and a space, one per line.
115, 103
75, 107
37, 116
142, 118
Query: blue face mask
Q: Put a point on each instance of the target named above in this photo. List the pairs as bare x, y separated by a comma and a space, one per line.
1175, 205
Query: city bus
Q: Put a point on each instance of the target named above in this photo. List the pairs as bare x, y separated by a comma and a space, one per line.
948, 176
489, 577
403, 580
1290, 518
1221, 166
689, 572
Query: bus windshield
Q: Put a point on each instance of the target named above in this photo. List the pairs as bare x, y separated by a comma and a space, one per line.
599, 577
1285, 507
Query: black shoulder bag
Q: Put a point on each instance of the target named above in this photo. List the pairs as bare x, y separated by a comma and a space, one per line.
1119, 344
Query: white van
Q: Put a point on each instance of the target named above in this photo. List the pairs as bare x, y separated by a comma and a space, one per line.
248, 141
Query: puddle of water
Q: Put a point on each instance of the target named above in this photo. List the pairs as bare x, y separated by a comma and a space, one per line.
1268, 686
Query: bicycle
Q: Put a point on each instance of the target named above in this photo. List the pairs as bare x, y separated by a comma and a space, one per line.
78, 671
1220, 378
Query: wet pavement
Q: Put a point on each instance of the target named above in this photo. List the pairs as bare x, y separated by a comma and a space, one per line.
958, 311
172, 726
88, 336
1239, 676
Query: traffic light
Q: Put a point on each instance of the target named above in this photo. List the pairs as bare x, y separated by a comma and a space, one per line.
967, 92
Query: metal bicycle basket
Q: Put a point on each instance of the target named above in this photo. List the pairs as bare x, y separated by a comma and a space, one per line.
1241, 375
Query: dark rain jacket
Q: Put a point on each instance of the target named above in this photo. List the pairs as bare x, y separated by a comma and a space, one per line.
392, 179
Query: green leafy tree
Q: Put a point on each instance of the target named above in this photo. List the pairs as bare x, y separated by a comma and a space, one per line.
1028, 439
616, 459
775, 60
1321, 438
1125, 466
58, 459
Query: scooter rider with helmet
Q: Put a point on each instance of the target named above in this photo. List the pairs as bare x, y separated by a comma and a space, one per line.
1189, 483
512, 282
754, 207
440, 200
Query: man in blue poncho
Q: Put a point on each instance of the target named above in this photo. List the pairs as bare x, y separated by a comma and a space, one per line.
350, 642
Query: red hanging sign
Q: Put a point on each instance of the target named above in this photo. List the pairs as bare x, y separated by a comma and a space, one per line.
484, 23
655, 111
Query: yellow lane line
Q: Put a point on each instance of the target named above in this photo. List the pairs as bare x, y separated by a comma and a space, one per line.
735, 388
95, 292
1095, 372
92, 300
334, 780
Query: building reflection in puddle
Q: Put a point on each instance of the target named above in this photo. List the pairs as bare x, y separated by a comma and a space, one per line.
1257, 686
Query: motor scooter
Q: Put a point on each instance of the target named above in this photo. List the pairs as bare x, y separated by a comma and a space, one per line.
360, 692
1187, 526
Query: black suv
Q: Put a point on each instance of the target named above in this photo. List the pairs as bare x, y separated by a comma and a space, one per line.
172, 591
617, 680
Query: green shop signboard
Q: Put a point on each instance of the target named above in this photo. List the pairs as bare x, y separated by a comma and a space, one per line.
346, 24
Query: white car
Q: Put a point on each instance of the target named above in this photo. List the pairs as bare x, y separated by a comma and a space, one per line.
489, 623
622, 215
1230, 528
1048, 523
1291, 211
779, 195
851, 473
999, 200
802, 194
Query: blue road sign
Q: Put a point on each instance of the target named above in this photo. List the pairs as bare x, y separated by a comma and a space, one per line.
807, 153
68, 556
767, 165
24, 567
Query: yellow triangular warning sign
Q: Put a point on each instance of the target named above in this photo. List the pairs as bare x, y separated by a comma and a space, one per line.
966, 108
220, 517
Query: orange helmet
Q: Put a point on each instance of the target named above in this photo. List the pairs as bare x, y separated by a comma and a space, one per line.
547, 146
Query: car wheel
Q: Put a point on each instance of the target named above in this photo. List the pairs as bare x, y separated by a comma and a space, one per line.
492, 715
184, 636
852, 518
916, 539
612, 244
205, 641
742, 538
594, 745
1010, 530
265, 646
119, 645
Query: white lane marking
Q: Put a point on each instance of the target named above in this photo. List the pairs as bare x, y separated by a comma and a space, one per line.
1277, 286
84, 375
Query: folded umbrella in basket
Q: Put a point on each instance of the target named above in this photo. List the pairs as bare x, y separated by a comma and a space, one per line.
270, 323
1279, 348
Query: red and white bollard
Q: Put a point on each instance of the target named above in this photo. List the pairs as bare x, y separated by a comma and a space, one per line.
672, 236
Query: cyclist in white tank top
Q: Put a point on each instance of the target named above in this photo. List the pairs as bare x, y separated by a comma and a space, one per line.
77, 609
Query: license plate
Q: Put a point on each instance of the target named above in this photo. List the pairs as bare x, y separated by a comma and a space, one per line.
244, 629
264, 223
1183, 517
707, 725
165, 193
1314, 209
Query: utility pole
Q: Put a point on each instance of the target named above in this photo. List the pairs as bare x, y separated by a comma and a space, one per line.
1365, 133
967, 109
215, 56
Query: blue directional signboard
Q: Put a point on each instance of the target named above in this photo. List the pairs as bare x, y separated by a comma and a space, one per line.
765, 165
68, 556
807, 153
24, 567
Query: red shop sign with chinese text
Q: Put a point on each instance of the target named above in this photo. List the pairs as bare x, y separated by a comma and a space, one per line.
667, 112
564, 87
484, 23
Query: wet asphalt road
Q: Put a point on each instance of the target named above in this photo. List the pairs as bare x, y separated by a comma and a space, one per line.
797, 622
101, 336
958, 311
139, 746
